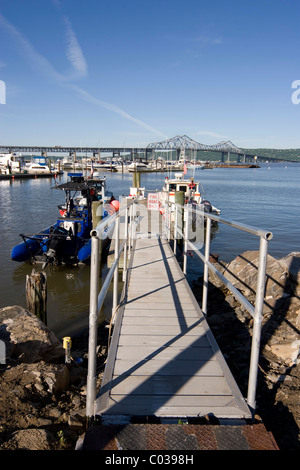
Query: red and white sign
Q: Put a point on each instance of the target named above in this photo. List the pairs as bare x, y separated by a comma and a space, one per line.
152, 202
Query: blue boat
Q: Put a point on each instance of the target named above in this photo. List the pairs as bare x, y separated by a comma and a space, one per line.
68, 240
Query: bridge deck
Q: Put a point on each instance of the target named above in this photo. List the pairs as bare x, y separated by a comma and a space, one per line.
163, 360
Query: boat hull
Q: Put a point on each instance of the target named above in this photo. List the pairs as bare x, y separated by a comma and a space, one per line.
68, 241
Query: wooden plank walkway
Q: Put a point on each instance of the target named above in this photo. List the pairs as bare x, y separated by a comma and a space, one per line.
163, 360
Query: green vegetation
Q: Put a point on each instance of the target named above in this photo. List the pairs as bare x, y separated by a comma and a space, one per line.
282, 154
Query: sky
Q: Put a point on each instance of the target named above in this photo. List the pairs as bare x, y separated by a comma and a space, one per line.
126, 73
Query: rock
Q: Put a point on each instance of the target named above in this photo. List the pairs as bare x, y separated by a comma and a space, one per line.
41, 378
287, 352
30, 439
26, 337
56, 378
292, 264
242, 273
77, 419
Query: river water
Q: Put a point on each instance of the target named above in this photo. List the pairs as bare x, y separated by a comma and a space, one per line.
266, 197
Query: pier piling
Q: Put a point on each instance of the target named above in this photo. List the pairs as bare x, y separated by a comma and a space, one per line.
36, 294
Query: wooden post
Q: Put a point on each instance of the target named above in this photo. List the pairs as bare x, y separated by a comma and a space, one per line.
36, 294
136, 179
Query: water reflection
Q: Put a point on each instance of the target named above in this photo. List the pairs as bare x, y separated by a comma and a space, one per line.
67, 296
266, 199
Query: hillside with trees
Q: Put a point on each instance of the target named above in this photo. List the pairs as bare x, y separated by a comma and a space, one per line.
283, 154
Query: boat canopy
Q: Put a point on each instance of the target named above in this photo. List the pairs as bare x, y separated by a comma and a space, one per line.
78, 183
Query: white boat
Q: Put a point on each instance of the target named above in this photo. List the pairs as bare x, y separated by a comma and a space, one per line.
137, 193
191, 190
68, 163
122, 166
37, 166
11, 163
138, 166
104, 166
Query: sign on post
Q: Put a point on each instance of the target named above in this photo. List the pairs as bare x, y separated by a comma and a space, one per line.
153, 202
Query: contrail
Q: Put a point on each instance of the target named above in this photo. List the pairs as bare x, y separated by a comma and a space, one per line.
112, 107
77, 60
74, 53
35, 57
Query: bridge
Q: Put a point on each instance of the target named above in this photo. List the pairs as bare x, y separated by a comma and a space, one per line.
179, 144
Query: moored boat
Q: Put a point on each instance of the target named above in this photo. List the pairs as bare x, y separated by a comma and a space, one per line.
138, 166
68, 240
193, 194
11, 163
104, 166
37, 166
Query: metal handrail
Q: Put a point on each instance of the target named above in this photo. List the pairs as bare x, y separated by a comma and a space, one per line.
97, 298
257, 310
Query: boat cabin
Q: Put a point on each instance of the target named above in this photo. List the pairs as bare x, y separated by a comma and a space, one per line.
188, 186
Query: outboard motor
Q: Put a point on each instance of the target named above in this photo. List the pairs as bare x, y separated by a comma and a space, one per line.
207, 206
56, 244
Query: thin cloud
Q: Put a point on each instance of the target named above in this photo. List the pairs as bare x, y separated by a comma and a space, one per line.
38, 60
206, 40
212, 134
77, 60
112, 107
73, 52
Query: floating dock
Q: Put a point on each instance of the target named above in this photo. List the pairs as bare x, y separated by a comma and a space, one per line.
15, 176
166, 384
163, 359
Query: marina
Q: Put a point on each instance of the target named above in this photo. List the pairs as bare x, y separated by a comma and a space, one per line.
144, 368
149, 229
261, 197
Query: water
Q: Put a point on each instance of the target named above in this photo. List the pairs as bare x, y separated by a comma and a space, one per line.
267, 198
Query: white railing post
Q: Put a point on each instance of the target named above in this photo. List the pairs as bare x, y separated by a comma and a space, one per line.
126, 242
175, 228
93, 331
130, 230
169, 221
258, 315
116, 274
206, 259
185, 242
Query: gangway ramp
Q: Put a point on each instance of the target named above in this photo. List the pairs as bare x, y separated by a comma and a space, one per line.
163, 360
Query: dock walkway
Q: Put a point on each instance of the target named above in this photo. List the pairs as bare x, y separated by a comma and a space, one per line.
163, 359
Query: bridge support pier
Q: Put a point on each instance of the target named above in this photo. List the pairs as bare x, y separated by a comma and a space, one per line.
116, 154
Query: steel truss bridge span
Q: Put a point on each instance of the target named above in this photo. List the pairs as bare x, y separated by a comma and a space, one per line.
186, 143
178, 143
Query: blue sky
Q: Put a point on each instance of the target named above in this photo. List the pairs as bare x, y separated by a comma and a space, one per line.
131, 72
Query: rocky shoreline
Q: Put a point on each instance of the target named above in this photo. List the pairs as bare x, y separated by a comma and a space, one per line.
42, 399
279, 365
